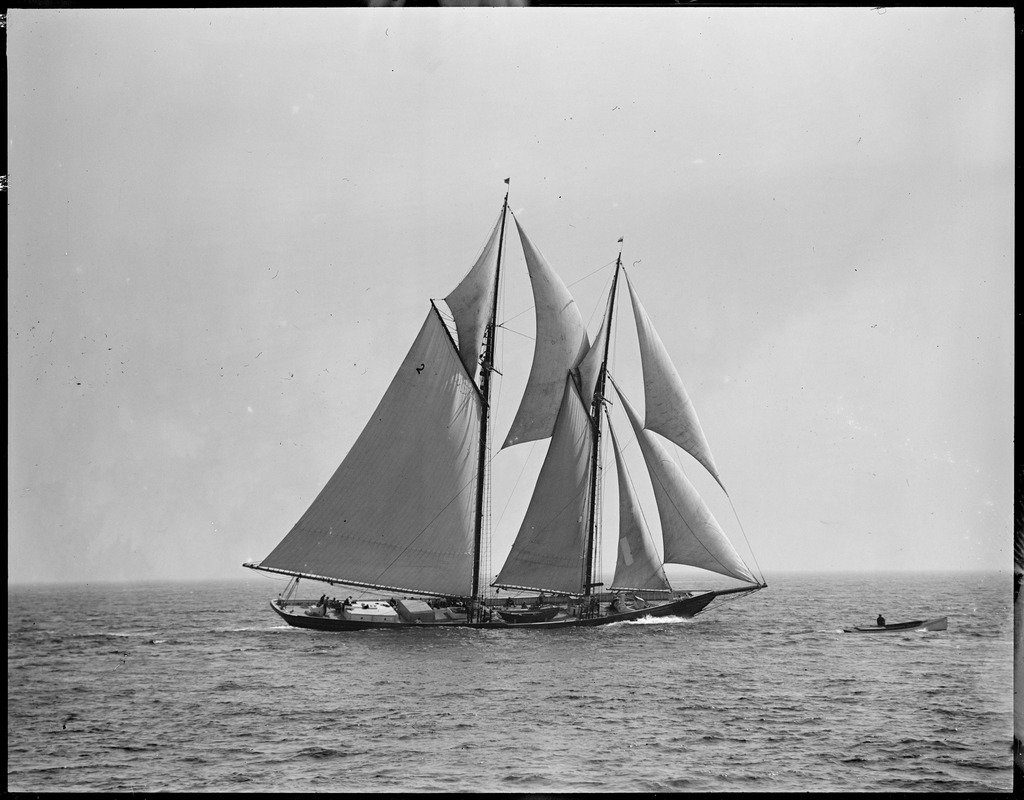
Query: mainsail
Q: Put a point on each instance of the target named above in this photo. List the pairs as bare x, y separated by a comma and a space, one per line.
398, 511
548, 551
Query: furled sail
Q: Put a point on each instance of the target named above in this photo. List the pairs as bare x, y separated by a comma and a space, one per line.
398, 512
548, 551
691, 534
637, 564
561, 338
668, 409
471, 302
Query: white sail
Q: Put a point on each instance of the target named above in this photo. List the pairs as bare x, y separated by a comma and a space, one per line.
472, 300
637, 564
399, 510
691, 534
589, 367
548, 551
667, 408
561, 338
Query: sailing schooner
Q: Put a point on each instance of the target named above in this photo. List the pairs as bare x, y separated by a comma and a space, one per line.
404, 513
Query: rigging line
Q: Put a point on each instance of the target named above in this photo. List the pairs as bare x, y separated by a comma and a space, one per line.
744, 532
526, 462
578, 280
517, 333
603, 266
733, 597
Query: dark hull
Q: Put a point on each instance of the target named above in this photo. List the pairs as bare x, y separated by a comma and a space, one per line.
681, 607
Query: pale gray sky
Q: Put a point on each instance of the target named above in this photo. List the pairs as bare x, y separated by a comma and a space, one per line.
225, 225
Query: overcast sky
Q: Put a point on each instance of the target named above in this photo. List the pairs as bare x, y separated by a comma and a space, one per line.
225, 227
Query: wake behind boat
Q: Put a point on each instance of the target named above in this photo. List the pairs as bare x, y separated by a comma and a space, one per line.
406, 513
937, 624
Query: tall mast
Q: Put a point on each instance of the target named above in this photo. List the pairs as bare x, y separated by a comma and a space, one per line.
487, 365
595, 422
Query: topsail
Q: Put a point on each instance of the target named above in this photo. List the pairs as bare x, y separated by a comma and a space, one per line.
471, 301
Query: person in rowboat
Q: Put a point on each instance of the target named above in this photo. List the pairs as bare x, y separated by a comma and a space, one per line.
880, 622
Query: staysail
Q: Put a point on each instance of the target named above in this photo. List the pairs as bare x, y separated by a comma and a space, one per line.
667, 408
561, 338
690, 531
637, 564
398, 512
548, 551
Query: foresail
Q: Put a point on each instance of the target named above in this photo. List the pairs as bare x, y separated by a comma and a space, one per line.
561, 339
548, 551
471, 302
398, 512
667, 407
690, 531
637, 565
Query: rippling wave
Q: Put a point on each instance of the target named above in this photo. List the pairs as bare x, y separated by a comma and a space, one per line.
199, 688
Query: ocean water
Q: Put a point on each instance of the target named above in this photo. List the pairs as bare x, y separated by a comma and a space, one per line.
199, 687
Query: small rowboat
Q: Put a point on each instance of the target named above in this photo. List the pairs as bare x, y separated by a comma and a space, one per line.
518, 616
937, 624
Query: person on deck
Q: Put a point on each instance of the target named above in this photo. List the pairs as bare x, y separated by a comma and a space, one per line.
880, 622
